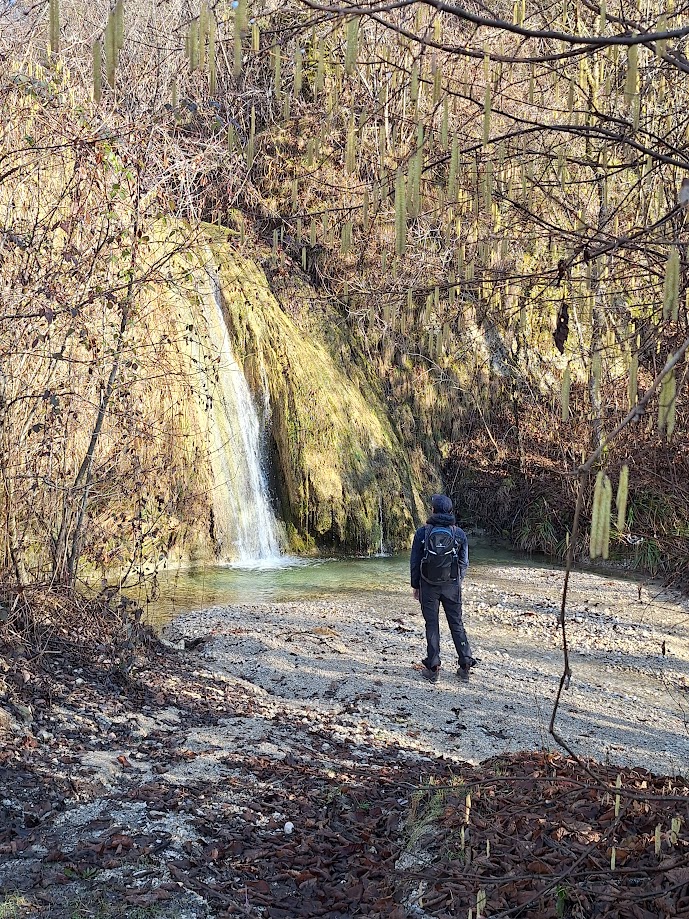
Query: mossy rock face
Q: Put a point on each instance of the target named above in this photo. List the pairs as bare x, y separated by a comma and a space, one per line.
342, 469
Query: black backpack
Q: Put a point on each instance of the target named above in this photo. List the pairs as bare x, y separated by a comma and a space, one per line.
439, 563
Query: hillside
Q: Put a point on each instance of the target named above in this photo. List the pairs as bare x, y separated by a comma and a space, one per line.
487, 246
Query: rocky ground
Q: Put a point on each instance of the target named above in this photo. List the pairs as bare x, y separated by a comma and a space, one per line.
294, 763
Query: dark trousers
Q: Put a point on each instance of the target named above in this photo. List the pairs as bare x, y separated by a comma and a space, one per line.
450, 595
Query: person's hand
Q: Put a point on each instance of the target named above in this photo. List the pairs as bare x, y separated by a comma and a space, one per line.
416, 593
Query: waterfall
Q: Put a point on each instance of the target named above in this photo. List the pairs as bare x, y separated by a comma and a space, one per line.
381, 548
244, 524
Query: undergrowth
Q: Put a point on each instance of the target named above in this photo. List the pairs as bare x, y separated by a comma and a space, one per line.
43, 626
522, 487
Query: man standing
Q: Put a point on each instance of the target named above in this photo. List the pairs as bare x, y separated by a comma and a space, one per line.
439, 560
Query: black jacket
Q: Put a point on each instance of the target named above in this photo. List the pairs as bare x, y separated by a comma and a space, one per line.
417, 549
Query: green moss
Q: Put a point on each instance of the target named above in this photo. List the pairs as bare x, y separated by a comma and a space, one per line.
341, 462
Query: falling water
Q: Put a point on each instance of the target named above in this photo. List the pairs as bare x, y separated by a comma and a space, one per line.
245, 527
381, 546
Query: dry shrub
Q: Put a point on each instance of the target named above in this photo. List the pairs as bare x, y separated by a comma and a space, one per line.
45, 623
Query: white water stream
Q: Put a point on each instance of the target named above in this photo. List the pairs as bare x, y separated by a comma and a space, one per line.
245, 528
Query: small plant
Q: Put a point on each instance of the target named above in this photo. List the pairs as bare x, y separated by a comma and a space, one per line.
561, 901
648, 556
13, 906
537, 532
422, 817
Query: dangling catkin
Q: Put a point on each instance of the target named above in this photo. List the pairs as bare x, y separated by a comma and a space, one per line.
486, 114
193, 45
663, 403
110, 51
414, 184
119, 24
631, 86
242, 16
672, 411
603, 17
346, 238
277, 71
596, 368
320, 67
297, 71
352, 49
594, 544
605, 508
621, 499
212, 59
671, 285
400, 213
54, 26
203, 32
251, 143
437, 85
632, 385
97, 71
414, 85
566, 382
454, 167
666, 404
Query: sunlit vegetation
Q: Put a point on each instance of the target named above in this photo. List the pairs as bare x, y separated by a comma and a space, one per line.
491, 211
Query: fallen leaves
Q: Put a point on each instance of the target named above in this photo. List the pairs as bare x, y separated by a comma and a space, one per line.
367, 838
536, 834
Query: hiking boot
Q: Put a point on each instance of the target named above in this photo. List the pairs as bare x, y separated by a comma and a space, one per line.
463, 670
432, 674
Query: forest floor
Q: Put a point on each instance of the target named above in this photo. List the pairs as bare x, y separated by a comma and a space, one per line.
294, 763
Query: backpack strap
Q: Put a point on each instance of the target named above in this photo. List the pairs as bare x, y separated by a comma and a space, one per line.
424, 556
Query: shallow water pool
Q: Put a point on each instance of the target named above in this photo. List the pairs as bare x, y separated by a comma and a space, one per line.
292, 579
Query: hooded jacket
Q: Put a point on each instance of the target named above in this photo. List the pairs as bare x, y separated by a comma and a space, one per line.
417, 549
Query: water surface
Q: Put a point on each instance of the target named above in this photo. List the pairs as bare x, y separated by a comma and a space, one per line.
292, 579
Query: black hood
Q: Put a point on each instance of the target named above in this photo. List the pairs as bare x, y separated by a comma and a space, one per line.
441, 504
441, 520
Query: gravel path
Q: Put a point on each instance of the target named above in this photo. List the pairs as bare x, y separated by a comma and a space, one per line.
348, 664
